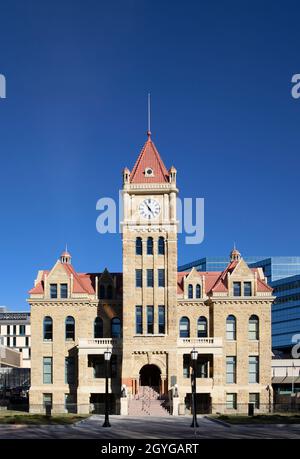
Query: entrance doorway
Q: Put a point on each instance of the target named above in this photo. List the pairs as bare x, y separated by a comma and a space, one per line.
150, 376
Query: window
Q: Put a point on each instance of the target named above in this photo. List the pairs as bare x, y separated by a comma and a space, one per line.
70, 403
70, 328
231, 328
149, 277
109, 292
22, 330
190, 291
27, 341
150, 246
231, 401
253, 328
198, 291
161, 320
48, 328
47, 370
47, 400
8, 329
161, 246
14, 329
202, 368
69, 370
161, 277
184, 327
247, 289
202, 327
98, 328
254, 398
186, 365
253, 369
53, 290
138, 246
14, 341
115, 328
102, 292
236, 289
64, 290
138, 278
150, 320
230, 370
139, 320
8, 341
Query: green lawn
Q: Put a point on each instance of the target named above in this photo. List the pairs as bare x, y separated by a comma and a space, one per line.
18, 417
261, 419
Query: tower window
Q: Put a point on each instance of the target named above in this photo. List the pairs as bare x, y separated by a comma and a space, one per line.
190, 291
138, 246
150, 246
139, 320
198, 291
138, 278
161, 245
149, 277
150, 321
161, 277
161, 320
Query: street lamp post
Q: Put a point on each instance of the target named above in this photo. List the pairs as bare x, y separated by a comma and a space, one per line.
194, 357
107, 356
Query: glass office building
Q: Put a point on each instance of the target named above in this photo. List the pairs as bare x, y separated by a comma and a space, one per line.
283, 274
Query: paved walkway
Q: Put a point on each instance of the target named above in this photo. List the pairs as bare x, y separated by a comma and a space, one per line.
149, 428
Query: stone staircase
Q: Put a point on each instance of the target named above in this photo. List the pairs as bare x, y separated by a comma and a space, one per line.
148, 402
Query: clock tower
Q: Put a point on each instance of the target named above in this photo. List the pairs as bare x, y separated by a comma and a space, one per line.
149, 230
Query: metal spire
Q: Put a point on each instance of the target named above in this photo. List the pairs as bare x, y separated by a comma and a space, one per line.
149, 115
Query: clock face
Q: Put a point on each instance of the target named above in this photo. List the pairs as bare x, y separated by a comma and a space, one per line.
149, 208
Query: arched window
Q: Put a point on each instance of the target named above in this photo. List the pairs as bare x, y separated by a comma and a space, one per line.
115, 328
98, 328
253, 328
198, 291
70, 328
161, 245
109, 292
48, 328
102, 292
184, 327
150, 246
231, 328
138, 246
202, 327
190, 291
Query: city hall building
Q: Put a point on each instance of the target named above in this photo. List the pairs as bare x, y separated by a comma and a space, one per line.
150, 317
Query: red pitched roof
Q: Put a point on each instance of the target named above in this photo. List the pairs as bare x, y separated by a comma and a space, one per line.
149, 158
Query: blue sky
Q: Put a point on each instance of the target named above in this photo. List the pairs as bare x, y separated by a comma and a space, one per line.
78, 74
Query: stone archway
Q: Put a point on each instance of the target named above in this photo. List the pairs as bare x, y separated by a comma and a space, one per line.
150, 375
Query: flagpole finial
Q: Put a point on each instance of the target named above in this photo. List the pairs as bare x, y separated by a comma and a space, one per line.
149, 116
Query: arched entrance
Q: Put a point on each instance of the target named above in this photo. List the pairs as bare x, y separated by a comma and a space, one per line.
150, 375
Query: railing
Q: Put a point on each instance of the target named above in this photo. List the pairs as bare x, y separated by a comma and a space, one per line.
190, 342
98, 342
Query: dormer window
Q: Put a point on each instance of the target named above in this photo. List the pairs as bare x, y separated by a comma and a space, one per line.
247, 289
149, 172
237, 289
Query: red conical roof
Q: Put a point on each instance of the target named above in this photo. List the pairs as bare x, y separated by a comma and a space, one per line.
149, 158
